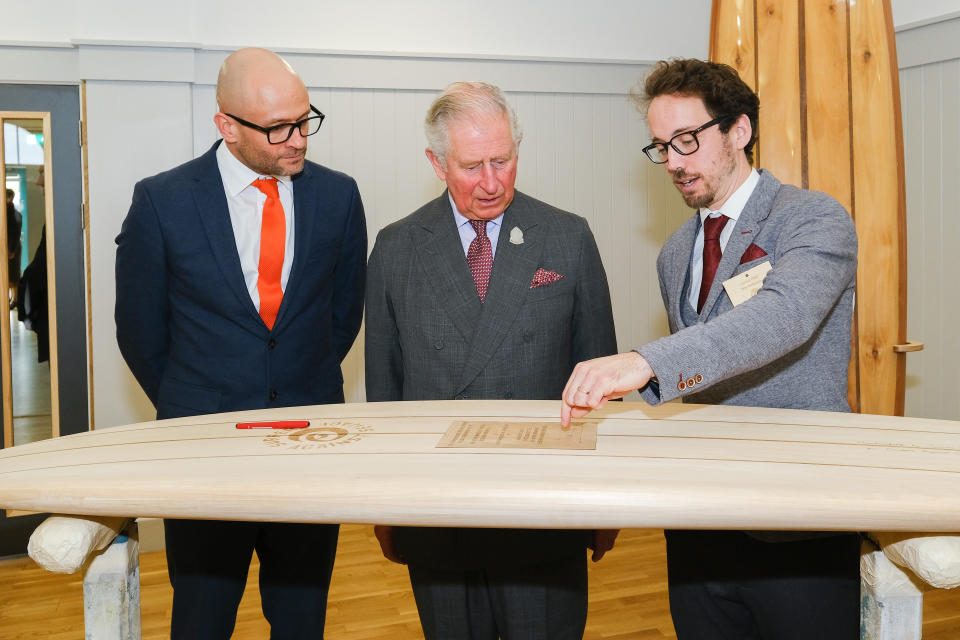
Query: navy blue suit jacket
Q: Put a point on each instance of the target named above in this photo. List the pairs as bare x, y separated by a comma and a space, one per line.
186, 325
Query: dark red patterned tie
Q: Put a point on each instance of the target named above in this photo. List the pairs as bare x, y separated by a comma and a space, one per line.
480, 257
712, 227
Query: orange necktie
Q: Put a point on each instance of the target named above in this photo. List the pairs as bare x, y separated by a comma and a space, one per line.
273, 233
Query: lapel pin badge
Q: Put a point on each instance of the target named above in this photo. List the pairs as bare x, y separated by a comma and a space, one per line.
516, 236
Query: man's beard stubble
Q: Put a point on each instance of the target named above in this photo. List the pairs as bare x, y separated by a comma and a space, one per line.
724, 169
266, 164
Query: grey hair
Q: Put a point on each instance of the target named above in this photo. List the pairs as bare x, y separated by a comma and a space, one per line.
463, 100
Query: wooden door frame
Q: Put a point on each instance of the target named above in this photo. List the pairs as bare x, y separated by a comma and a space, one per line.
5, 349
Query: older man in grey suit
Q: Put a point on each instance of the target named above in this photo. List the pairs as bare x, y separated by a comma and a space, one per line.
486, 293
783, 344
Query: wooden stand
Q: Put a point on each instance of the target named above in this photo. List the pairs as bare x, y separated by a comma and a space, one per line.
111, 590
891, 601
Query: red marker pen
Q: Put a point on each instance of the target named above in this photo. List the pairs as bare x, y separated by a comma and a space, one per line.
276, 424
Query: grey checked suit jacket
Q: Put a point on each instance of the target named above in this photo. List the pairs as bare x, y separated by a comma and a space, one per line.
428, 337
789, 345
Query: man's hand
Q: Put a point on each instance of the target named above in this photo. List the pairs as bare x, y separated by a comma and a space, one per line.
597, 381
603, 540
385, 538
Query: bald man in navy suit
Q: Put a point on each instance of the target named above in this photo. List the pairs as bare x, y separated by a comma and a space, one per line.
240, 279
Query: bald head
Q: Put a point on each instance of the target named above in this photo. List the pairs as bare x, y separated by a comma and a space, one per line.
252, 76
257, 87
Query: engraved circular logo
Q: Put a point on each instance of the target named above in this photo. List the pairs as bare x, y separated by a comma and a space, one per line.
319, 435
322, 434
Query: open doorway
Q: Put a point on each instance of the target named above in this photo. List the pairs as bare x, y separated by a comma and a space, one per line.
43, 342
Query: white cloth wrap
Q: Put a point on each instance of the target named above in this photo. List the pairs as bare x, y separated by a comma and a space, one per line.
935, 558
885, 578
63, 544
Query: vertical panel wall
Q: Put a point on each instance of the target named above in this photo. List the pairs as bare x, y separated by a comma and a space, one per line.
151, 111
929, 60
580, 152
135, 129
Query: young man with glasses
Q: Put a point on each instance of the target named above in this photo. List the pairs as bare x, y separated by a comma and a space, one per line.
240, 279
786, 345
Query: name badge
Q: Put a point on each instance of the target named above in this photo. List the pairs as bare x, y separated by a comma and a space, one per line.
744, 286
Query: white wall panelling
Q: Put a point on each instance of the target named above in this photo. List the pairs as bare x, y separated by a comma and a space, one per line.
910, 13
150, 104
612, 29
47, 64
933, 42
930, 96
581, 152
135, 129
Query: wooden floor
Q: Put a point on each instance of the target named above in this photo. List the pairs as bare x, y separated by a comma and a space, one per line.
370, 597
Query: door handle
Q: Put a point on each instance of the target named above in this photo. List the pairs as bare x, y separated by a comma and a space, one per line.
908, 347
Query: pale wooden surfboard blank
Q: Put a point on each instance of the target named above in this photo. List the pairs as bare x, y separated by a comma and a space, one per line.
683, 466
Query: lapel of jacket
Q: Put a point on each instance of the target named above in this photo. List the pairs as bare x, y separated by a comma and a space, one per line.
751, 220
513, 269
307, 205
677, 267
211, 202
445, 266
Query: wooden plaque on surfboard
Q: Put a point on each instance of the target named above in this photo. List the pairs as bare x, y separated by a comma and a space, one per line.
678, 466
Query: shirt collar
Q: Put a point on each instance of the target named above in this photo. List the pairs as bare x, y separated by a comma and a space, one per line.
238, 176
462, 219
734, 205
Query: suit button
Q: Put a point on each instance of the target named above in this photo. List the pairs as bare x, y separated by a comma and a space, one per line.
698, 378
681, 385
273, 394
690, 382
272, 343
438, 345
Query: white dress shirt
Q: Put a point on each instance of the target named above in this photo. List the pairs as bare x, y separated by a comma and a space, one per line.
467, 233
245, 203
732, 208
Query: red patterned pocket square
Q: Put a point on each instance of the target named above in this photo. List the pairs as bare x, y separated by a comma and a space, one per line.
752, 253
543, 277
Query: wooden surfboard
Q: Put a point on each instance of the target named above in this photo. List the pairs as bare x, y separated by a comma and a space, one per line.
826, 74
677, 466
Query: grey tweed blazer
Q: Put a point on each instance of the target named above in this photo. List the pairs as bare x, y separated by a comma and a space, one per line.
428, 337
789, 345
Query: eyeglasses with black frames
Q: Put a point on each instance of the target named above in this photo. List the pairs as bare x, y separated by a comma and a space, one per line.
280, 133
683, 143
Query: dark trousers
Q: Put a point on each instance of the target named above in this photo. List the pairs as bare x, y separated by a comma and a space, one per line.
543, 602
208, 562
727, 585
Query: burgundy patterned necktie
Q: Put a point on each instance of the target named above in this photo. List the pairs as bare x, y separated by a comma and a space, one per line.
480, 257
712, 227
